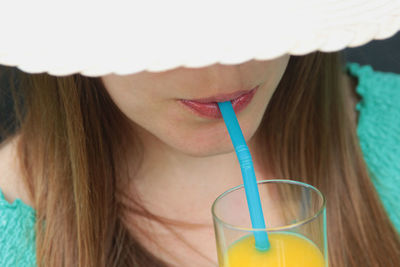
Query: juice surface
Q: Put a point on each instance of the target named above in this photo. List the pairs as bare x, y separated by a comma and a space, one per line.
287, 250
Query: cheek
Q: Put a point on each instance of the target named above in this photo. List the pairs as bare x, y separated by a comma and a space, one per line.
137, 105
166, 120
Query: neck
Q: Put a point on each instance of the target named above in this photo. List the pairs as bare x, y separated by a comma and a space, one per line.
170, 181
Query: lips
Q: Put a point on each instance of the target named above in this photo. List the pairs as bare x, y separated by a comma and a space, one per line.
208, 107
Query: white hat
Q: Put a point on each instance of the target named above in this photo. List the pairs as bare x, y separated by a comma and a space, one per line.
100, 37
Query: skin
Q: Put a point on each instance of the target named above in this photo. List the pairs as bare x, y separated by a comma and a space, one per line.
184, 154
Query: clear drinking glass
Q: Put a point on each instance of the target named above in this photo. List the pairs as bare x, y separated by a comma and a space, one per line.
295, 218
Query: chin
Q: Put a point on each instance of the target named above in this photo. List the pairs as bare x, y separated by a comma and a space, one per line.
207, 150
206, 145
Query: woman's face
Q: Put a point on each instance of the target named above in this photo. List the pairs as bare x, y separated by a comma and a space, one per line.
155, 102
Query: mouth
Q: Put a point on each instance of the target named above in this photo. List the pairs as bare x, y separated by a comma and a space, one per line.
208, 107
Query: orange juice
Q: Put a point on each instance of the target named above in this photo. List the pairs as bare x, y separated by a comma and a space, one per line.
287, 250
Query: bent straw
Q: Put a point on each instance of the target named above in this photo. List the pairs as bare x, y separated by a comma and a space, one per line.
249, 176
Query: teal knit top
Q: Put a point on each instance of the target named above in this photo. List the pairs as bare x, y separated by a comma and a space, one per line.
378, 131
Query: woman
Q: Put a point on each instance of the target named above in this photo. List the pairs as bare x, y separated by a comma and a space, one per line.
119, 171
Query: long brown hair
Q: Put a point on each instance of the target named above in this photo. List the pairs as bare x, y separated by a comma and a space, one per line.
72, 139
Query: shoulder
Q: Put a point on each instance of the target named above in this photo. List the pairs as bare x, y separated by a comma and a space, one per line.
379, 112
11, 183
378, 106
17, 219
378, 89
378, 130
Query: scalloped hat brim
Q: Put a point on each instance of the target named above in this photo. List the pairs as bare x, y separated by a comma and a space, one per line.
96, 38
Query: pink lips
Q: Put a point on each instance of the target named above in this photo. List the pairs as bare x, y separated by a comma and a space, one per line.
207, 107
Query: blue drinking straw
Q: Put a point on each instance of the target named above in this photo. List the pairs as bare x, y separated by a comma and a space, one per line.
249, 176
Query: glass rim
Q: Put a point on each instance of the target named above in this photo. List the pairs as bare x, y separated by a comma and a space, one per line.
271, 229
